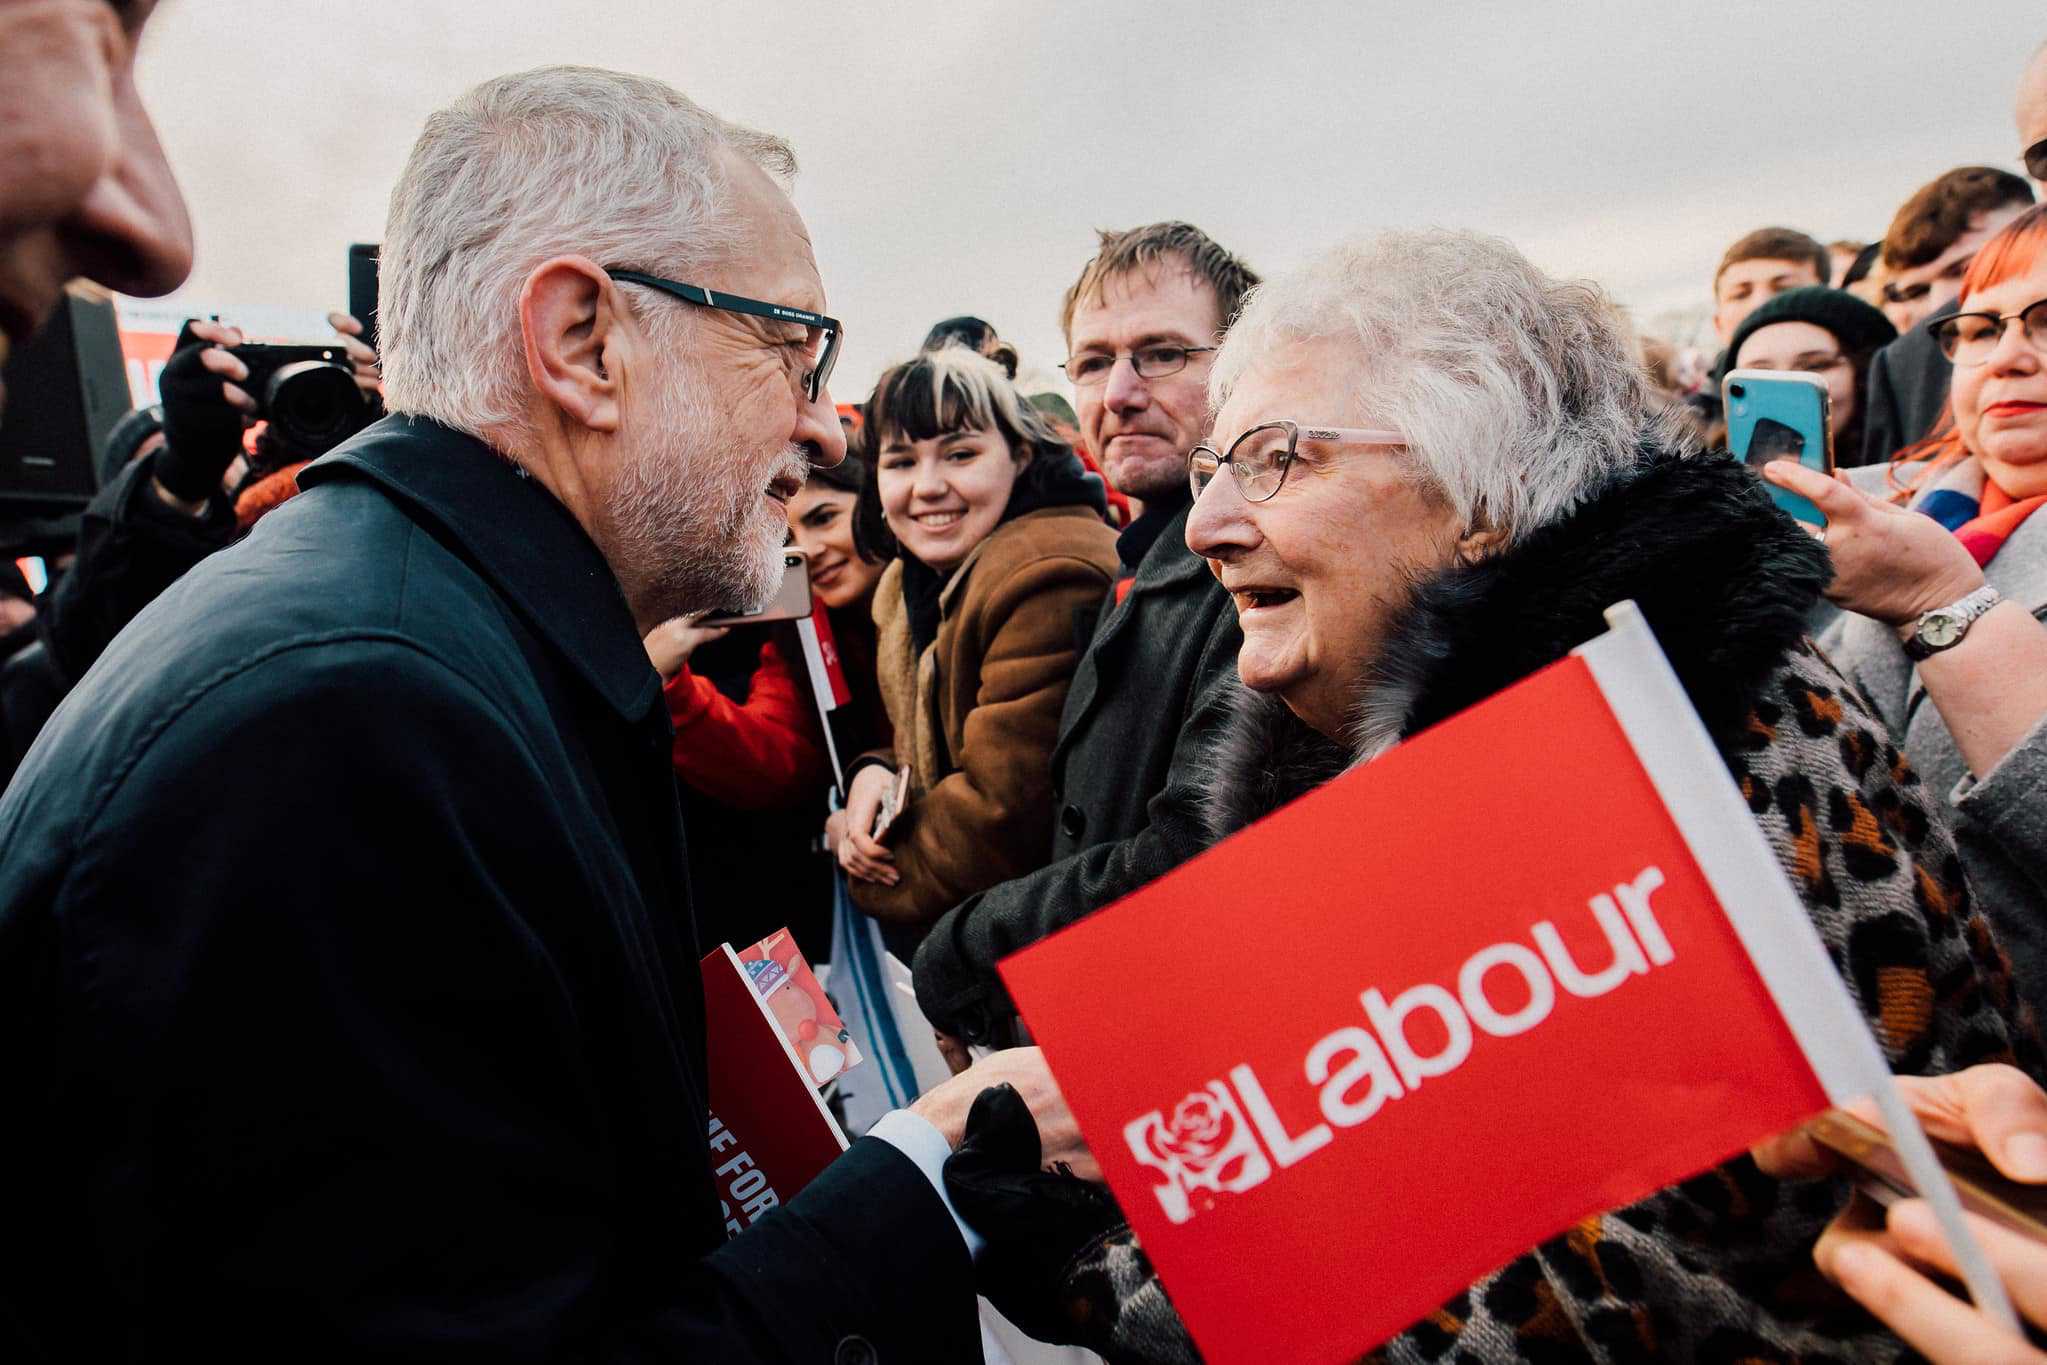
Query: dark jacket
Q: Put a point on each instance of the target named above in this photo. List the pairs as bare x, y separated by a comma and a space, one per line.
348, 985
1718, 1267
1906, 392
131, 546
1147, 699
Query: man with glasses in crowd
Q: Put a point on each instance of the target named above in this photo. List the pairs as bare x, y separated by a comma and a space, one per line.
353, 992
1141, 323
1926, 251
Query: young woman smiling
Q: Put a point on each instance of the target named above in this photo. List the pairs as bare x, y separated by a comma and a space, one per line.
1001, 550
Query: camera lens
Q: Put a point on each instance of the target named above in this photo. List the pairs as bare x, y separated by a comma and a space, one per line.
314, 406
1737, 390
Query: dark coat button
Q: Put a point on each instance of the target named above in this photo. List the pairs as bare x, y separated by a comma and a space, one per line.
855, 1350
1073, 820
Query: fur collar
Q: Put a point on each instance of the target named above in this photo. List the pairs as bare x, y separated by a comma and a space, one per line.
1724, 578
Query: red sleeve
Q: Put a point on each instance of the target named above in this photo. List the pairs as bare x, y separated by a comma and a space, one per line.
766, 753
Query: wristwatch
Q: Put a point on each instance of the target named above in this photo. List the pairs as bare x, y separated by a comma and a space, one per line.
1944, 627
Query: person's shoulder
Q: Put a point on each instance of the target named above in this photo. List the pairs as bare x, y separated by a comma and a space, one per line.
231, 735
338, 563
1050, 533
1811, 719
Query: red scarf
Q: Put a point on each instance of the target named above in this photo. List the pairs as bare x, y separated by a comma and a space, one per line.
1984, 534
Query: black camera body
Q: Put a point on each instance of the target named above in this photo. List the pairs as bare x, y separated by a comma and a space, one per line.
308, 395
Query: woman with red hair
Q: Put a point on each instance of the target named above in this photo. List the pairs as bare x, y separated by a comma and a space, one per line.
1942, 564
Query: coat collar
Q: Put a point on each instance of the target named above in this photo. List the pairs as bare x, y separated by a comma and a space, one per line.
517, 536
1725, 580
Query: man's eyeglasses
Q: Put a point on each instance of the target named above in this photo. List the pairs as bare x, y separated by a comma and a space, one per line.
1151, 362
1260, 458
1970, 339
2036, 161
821, 335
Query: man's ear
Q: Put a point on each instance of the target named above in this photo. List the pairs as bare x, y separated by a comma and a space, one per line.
568, 322
1478, 543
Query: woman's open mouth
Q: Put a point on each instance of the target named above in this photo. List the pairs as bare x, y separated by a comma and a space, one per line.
1259, 599
938, 521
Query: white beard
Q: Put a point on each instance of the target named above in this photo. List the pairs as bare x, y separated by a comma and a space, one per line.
690, 525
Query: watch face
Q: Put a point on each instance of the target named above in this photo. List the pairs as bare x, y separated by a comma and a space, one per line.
1940, 630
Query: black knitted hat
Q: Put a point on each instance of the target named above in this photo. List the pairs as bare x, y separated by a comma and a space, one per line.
1858, 326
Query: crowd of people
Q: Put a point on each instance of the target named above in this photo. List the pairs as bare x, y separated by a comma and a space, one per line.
348, 930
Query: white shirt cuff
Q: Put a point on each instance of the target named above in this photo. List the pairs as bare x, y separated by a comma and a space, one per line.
917, 1138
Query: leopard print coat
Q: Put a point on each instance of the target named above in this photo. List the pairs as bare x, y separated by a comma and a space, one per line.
1717, 1268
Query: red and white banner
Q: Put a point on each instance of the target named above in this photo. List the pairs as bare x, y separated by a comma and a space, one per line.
1533, 964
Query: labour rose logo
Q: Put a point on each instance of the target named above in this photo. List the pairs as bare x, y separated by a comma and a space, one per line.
1205, 1149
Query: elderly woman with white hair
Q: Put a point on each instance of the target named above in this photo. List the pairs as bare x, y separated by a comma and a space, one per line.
1432, 468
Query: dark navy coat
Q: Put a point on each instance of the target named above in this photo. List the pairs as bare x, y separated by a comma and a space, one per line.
349, 1001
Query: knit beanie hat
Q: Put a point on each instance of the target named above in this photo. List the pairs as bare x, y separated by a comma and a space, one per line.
1858, 326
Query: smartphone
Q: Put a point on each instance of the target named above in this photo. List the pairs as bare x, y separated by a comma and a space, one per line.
1780, 415
791, 601
892, 805
362, 289
1982, 1188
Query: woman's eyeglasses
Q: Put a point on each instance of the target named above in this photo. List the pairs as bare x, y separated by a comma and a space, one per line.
1260, 458
1969, 339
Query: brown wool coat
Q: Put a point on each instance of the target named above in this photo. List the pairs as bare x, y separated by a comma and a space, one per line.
976, 715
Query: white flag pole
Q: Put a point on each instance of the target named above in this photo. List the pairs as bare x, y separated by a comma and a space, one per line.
1692, 779
821, 693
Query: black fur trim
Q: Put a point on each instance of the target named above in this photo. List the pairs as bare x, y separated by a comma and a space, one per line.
1725, 579
1263, 759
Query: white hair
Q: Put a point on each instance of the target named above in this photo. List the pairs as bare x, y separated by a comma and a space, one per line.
555, 161
1520, 396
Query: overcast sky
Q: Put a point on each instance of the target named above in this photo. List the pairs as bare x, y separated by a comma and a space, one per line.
957, 157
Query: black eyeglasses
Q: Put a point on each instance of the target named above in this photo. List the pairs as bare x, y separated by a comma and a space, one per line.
2036, 161
820, 337
1150, 362
1260, 459
1970, 339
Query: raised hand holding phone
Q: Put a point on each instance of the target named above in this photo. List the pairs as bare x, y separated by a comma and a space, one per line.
1780, 415
1890, 563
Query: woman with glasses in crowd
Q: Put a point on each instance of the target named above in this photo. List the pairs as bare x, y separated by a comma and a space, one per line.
1824, 332
1944, 566
1433, 469
1000, 552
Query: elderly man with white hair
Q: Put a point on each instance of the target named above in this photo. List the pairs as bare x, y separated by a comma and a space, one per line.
1432, 468
350, 977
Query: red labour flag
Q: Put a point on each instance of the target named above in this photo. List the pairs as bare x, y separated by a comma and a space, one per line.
1378, 1044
